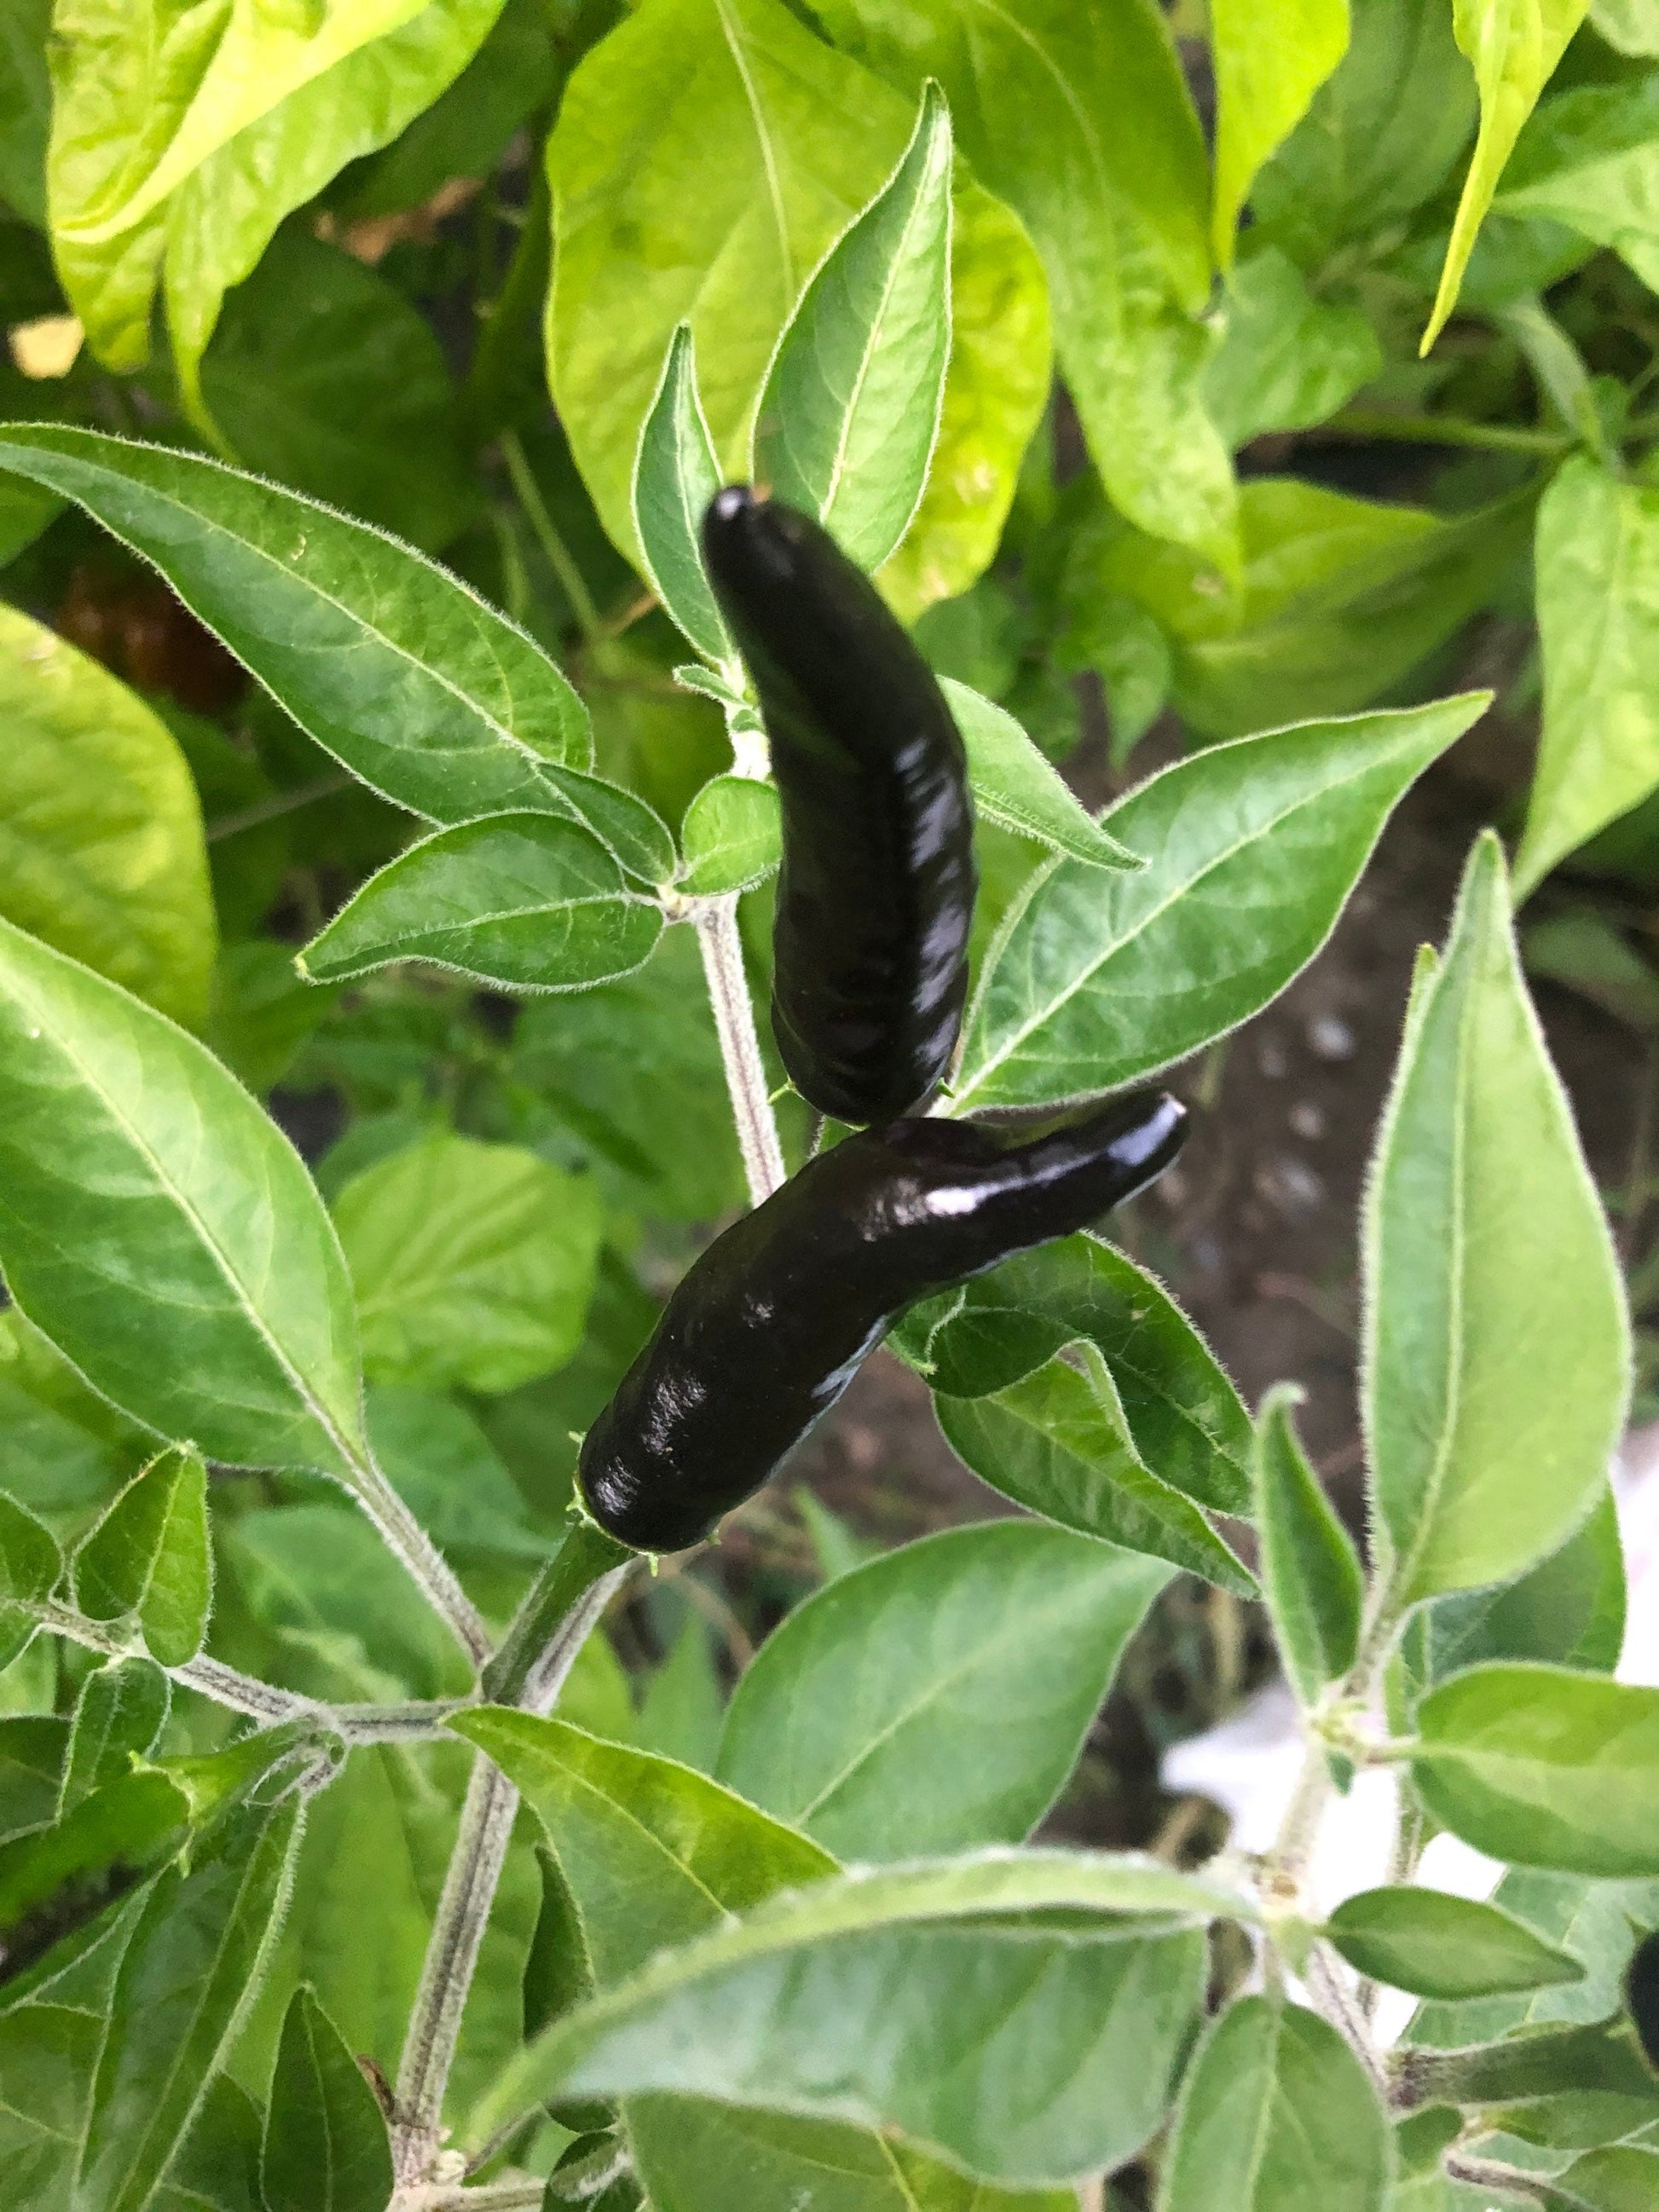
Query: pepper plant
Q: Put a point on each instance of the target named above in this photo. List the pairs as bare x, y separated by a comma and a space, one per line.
339, 1866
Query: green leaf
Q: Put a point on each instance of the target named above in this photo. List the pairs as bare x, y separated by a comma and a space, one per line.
1269, 60
1598, 616
149, 1557
558, 1974
232, 1320
119, 1832
676, 473
1277, 2115
1494, 1309
1513, 47
732, 836
828, 2004
322, 374
1289, 358
1631, 26
1623, 2177
30, 1564
1586, 952
191, 1970
25, 107
118, 1716
684, 1708
1544, 1767
473, 1263
100, 828
653, 1853
1438, 1946
216, 2168
1588, 159
325, 2146
1014, 786
1097, 979
1310, 1569
850, 409
449, 1474
996, 386
413, 683
522, 900
1080, 118
1182, 1411
1058, 1444
908, 1707
68, 1450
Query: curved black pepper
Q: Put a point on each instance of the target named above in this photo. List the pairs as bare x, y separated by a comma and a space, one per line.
876, 893
1642, 1996
769, 1326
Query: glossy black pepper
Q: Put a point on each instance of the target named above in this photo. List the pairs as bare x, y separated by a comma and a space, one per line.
876, 893
769, 1326
1642, 1996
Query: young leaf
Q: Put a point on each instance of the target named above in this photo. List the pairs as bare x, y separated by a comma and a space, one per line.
149, 1558
828, 2003
1438, 1946
1096, 979
233, 1320
1514, 52
103, 828
413, 683
521, 900
558, 1975
732, 836
908, 1707
325, 2146
1598, 619
118, 1716
1014, 786
1494, 1309
676, 473
1183, 1412
30, 1564
473, 1263
1269, 61
1544, 1767
1309, 1568
1277, 2115
1058, 1444
1587, 159
850, 408
191, 1969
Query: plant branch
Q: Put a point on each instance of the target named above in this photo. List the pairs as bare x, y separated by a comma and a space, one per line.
1339, 2004
721, 946
586, 1560
560, 558
525, 2196
1492, 2173
272, 808
1365, 424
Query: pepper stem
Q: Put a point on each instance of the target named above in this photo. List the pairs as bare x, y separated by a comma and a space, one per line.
721, 946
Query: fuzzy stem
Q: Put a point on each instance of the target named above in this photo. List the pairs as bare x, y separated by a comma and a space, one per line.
1492, 2173
1439, 430
586, 1558
426, 1565
721, 946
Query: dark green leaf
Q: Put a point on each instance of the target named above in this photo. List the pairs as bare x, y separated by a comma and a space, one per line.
32, 1749
1013, 784
676, 475
118, 1716
1310, 1571
326, 2145
216, 2168
25, 107
30, 1564
732, 836
1438, 1946
119, 1832
149, 1559
557, 1975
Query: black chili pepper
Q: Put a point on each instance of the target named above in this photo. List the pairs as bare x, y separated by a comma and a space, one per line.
769, 1326
1642, 1996
876, 893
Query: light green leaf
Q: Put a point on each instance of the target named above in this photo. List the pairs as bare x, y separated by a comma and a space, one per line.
1270, 57
473, 1263
1497, 1360
1080, 118
451, 1477
68, 1450
397, 670
1309, 1568
231, 1319
522, 900
908, 1707
804, 138
684, 1708
1544, 1767
1598, 616
1438, 1946
1252, 848
1632, 25
1588, 159
118, 1716
25, 106
1182, 1411
30, 1564
1277, 2115
828, 2004
1622, 2178
850, 409
1513, 47
149, 1557
325, 2146
1014, 786
676, 474
1058, 1444
191, 1970
996, 386
732, 836
100, 828
1288, 359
